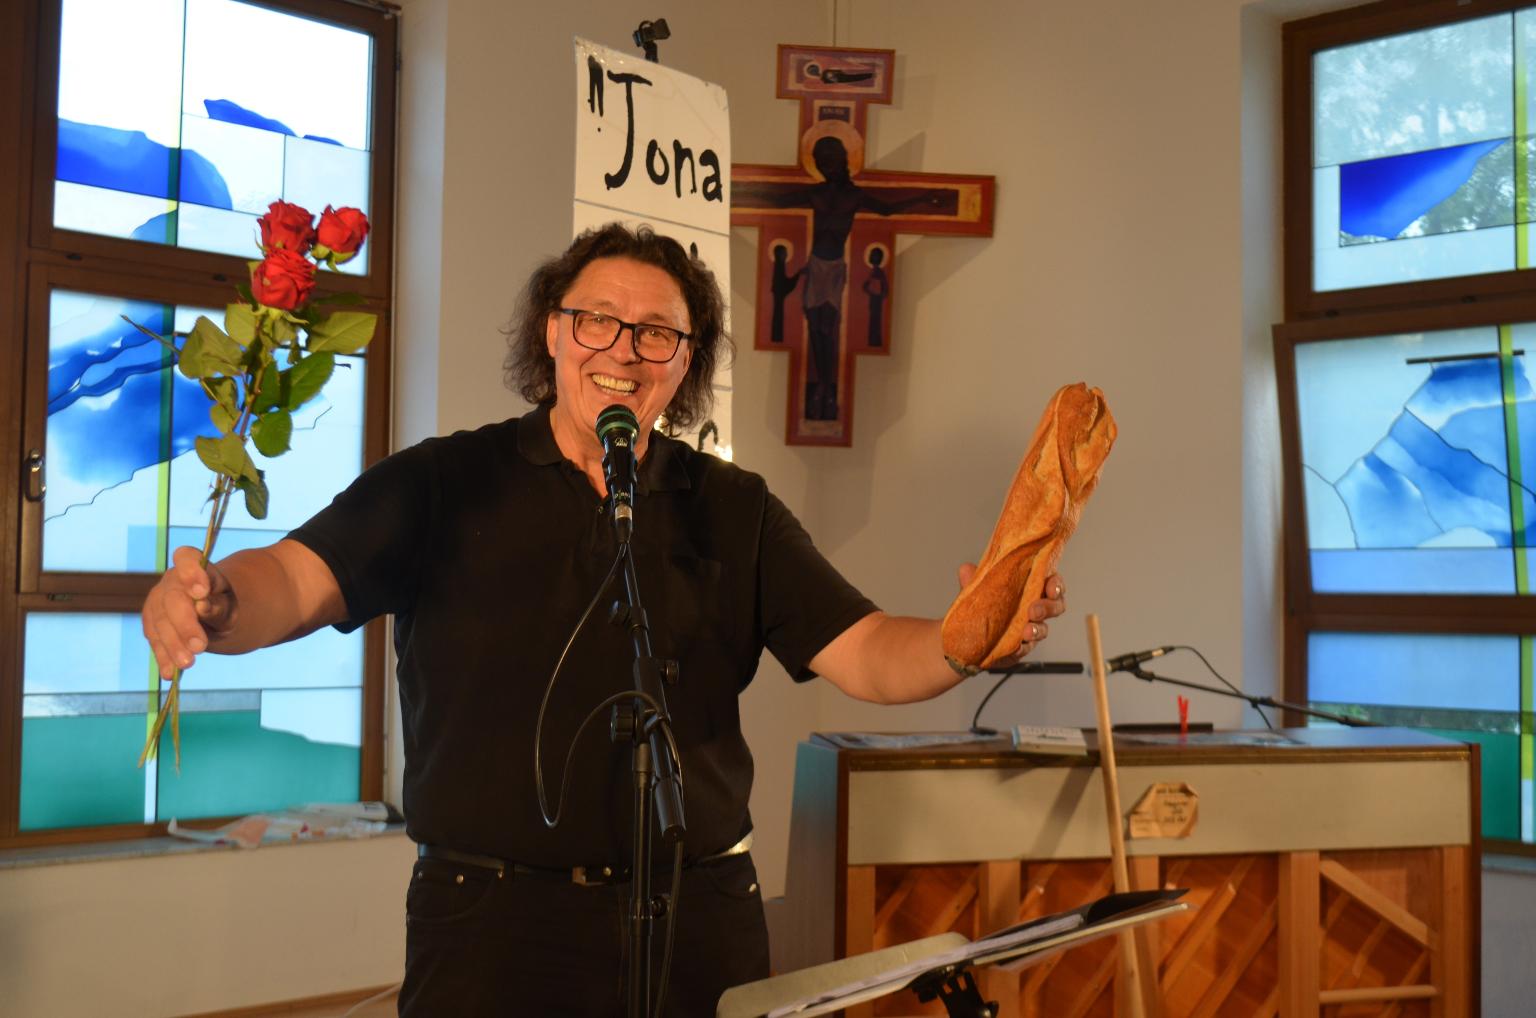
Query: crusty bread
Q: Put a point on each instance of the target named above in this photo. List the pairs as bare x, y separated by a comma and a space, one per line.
990, 619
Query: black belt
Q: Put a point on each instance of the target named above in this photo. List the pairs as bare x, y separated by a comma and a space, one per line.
586, 876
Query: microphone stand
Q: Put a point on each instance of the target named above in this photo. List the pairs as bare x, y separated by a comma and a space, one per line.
656, 782
1253, 700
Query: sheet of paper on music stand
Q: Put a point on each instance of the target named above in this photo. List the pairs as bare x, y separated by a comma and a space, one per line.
823, 989
752, 1000
878, 985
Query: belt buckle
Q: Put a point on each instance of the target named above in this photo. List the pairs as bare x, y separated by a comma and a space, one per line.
598, 876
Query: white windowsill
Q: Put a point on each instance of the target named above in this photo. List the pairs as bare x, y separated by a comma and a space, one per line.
146, 848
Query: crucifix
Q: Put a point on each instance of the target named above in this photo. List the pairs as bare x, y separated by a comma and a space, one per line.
827, 233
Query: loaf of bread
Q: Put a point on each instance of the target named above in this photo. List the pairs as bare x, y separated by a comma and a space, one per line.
990, 619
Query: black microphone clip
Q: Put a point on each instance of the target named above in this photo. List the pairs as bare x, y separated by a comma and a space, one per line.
1130, 662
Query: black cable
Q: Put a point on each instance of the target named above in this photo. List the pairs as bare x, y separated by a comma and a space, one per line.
975, 728
1208, 667
538, 727
666, 951
662, 721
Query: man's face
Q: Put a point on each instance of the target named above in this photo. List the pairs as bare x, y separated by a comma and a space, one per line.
587, 381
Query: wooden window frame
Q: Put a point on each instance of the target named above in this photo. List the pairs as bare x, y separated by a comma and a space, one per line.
35, 256
1312, 316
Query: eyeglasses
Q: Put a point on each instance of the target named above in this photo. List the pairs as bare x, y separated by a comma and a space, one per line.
597, 331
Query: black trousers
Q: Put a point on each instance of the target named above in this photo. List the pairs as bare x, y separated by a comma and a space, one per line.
479, 945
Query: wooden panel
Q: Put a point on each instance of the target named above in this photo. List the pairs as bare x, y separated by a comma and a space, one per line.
1227, 941
911, 816
859, 907
1450, 955
1340, 932
1299, 931
997, 908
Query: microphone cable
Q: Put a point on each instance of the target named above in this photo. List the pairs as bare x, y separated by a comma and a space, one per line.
628, 694
1211, 668
662, 721
976, 728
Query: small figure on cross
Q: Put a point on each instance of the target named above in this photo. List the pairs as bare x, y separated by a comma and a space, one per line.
834, 201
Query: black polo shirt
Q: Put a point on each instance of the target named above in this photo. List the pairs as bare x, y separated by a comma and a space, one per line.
486, 545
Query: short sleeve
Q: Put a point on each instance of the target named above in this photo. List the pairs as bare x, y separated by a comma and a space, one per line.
805, 602
373, 535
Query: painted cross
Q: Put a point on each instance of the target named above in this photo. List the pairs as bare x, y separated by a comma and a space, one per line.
827, 233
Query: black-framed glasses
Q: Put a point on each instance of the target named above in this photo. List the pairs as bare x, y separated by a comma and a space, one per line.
598, 331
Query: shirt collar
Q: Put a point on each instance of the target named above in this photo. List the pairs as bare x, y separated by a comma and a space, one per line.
662, 469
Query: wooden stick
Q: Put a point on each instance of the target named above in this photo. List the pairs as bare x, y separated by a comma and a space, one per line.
1130, 979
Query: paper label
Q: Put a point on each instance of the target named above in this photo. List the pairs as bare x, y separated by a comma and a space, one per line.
1168, 809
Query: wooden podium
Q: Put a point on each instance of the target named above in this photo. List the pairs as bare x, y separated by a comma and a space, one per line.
1332, 872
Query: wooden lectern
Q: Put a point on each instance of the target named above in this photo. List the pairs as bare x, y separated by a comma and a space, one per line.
1332, 872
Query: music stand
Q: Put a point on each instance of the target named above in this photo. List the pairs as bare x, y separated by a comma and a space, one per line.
942, 966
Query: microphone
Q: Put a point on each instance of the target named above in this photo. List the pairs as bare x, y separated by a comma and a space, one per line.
617, 430
1128, 662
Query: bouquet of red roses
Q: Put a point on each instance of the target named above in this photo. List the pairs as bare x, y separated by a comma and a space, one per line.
275, 353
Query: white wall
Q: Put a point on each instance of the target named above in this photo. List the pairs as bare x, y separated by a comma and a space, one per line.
1136, 149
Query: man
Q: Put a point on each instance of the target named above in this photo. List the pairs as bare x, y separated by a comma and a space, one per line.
485, 546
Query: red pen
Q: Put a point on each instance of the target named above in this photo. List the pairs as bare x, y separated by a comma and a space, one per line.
1183, 718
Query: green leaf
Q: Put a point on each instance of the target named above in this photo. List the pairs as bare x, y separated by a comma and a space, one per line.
271, 432
225, 410
304, 380
283, 330
209, 352
255, 489
223, 419
269, 388
343, 331
224, 455
240, 320
243, 288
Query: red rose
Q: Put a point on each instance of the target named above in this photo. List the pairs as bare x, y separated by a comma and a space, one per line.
286, 227
283, 280
340, 233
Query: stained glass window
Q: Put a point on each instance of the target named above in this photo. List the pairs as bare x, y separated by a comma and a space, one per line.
177, 123
1421, 161
125, 486
1418, 458
196, 135
261, 731
1466, 687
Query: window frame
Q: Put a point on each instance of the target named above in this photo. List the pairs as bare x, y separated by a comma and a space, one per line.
35, 256
1314, 316
1300, 40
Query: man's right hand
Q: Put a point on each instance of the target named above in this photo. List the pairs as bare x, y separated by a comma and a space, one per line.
188, 607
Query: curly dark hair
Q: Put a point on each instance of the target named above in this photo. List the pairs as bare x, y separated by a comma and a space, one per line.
530, 370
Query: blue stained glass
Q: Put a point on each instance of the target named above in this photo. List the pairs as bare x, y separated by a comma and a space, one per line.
325, 455
249, 164
113, 213
266, 730
216, 131
233, 764
1383, 197
274, 79
221, 230
106, 386
1414, 146
1406, 455
1476, 673
118, 411
1421, 570
1340, 262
